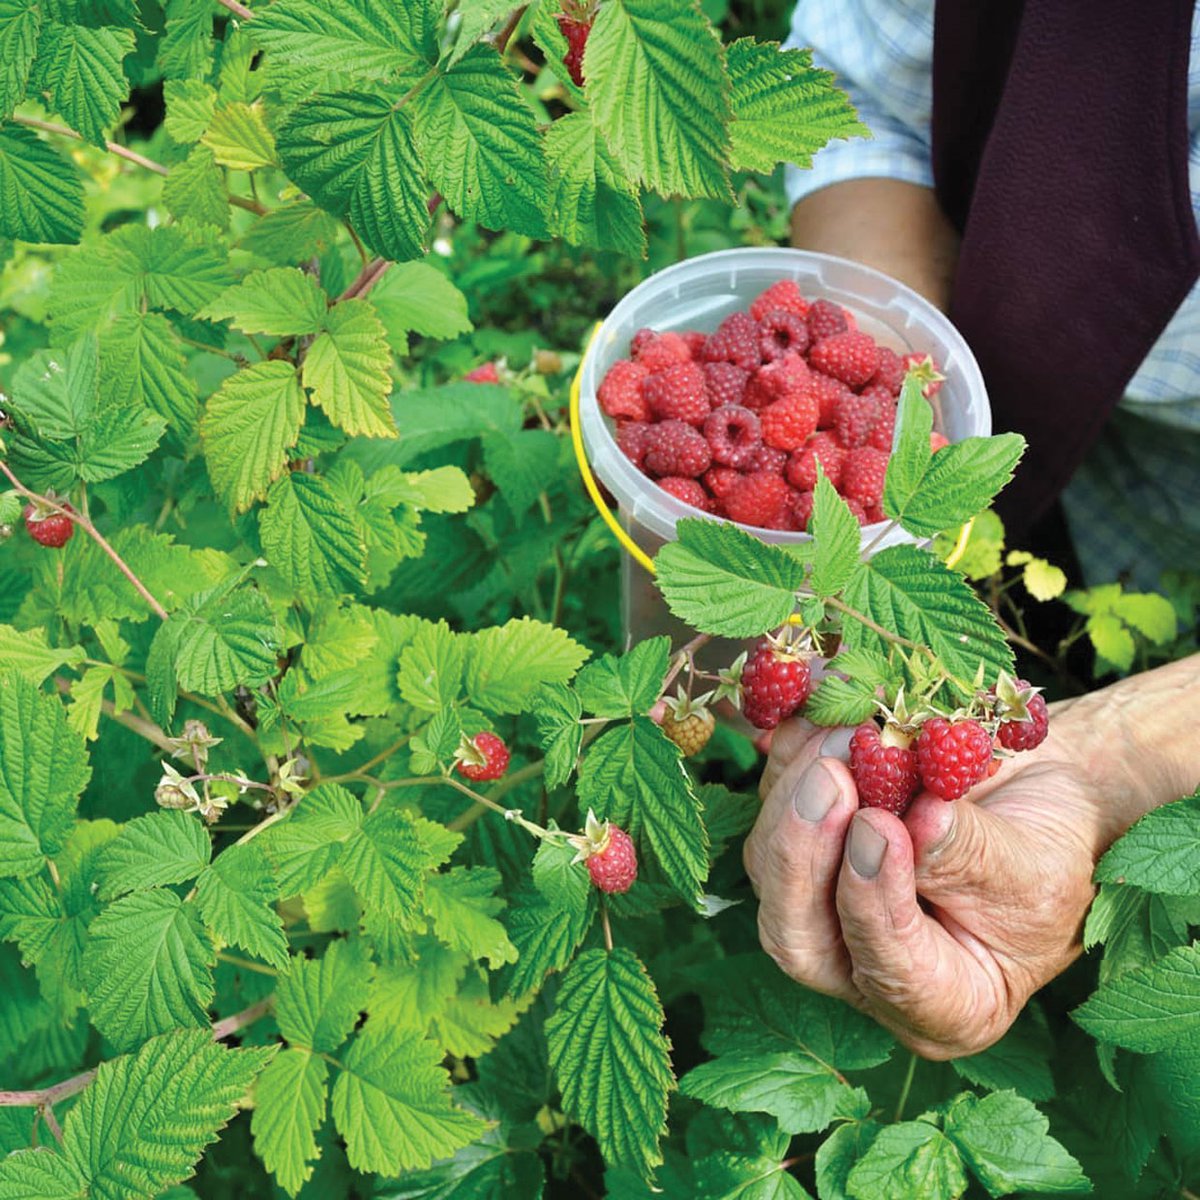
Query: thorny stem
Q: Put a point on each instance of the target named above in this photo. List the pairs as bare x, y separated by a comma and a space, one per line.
366, 279
47, 1115
238, 10
96, 536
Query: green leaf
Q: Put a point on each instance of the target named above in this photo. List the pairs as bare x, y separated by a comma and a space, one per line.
837, 1155
463, 908
645, 64
281, 301
40, 1174
591, 203
1160, 853
625, 686
142, 365
1004, 1140
784, 108
148, 968
719, 579
307, 846
414, 297
1152, 615
43, 769
41, 193
633, 775
909, 1161
520, 465
440, 490
1020, 1061
292, 233
480, 144
507, 665
194, 190
81, 69
238, 137
318, 1001
20, 23
152, 851
610, 1057
190, 106
354, 154
369, 39
837, 540
840, 702
248, 425
236, 896
1136, 927
907, 591
289, 1106
1151, 1008
392, 1103
310, 537
25, 651
431, 667
347, 370
1112, 640
187, 46
387, 862
143, 1123
912, 452
558, 710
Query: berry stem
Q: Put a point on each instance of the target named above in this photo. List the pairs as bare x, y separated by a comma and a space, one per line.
47, 1115
510, 28
509, 814
238, 10
905, 1088
683, 656
604, 924
366, 279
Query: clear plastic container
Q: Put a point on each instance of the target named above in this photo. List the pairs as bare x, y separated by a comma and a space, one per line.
699, 294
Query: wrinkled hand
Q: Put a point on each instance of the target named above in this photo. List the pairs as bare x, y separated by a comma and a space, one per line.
940, 925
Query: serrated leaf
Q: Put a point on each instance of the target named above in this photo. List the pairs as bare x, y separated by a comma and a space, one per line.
289, 1107
347, 370
143, 1123
310, 537
1005, 1142
190, 106
911, 450
558, 710
142, 364
908, 1161
152, 851
645, 64
520, 465
837, 540
20, 23
41, 193
784, 108
634, 776
1160, 853
248, 425
1152, 615
148, 968
307, 846
414, 297
909, 592
462, 906
82, 70
26, 652
431, 667
440, 490
1020, 1061
506, 665
625, 685
40, 1175
354, 154
238, 137
194, 190
292, 233
387, 861
480, 143
392, 1103
840, 702
610, 1057
1136, 927
719, 579
236, 896
281, 301
186, 48
319, 1000
1112, 640
43, 769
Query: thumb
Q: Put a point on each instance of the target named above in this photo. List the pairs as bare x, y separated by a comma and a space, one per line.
960, 850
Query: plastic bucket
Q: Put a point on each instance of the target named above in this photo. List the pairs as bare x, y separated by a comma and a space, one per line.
699, 294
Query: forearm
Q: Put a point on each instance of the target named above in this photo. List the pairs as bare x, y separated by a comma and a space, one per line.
893, 226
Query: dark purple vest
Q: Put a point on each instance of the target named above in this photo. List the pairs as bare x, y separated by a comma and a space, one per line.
1060, 151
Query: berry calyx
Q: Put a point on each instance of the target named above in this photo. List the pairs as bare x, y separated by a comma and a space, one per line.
482, 758
775, 683
952, 756
609, 854
48, 527
884, 766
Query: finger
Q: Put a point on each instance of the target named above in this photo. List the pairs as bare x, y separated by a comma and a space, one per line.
796, 860
794, 738
940, 993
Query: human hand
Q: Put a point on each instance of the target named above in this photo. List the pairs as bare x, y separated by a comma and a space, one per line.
943, 924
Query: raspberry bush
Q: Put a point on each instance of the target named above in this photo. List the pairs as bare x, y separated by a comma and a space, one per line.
344, 849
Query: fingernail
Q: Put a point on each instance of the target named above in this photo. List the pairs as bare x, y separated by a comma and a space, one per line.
865, 848
815, 794
837, 744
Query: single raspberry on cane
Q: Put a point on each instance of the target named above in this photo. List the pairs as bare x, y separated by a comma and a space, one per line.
621, 394
782, 333
952, 756
788, 423
853, 419
759, 499
688, 723
49, 528
735, 341
609, 854
890, 372
483, 757
726, 383
678, 393
862, 476
662, 350
851, 357
825, 319
631, 439
576, 32
675, 448
687, 490
784, 295
1024, 717
802, 466
884, 766
734, 434
775, 683
486, 373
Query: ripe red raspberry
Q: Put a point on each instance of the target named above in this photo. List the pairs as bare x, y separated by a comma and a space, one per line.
862, 476
695, 342
726, 383
802, 509
493, 752
614, 866
758, 499
802, 466
1025, 735
787, 376
662, 350
952, 756
631, 439
782, 333
620, 394
673, 448
687, 490
783, 295
890, 372
788, 423
576, 32
51, 529
829, 392
884, 429
938, 441
679, 393
720, 481
735, 341
853, 419
851, 357
884, 767
640, 341
860, 513
775, 684
770, 459
734, 434
486, 373
825, 319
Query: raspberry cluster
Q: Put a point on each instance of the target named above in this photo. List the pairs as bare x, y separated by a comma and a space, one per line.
735, 422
